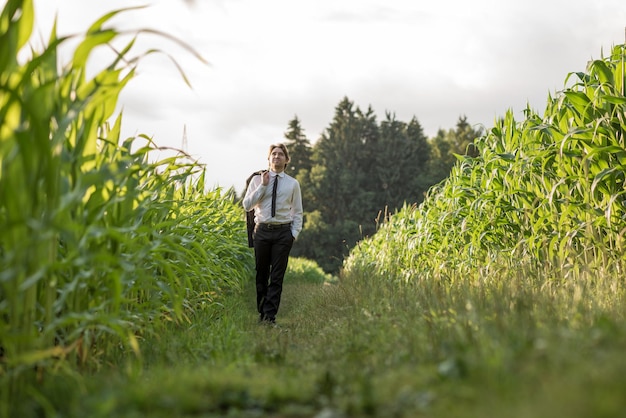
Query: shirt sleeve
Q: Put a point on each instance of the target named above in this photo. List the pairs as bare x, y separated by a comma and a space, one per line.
296, 211
256, 190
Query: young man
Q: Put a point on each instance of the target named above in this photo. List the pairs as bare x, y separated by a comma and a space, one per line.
277, 203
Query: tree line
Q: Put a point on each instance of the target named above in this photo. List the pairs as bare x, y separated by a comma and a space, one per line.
361, 170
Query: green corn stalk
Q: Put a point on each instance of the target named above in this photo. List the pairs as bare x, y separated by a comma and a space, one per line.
544, 194
98, 244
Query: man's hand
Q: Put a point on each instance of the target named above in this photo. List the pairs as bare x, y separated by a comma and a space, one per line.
265, 178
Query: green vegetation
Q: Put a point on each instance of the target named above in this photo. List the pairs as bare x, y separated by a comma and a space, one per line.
126, 289
98, 244
365, 347
360, 171
303, 270
520, 252
544, 197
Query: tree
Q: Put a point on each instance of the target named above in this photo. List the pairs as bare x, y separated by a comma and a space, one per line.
442, 157
338, 197
337, 151
401, 157
360, 168
299, 147
446, 144
464, 136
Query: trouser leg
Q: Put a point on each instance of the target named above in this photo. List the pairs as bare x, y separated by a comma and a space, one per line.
262, 254
279, 258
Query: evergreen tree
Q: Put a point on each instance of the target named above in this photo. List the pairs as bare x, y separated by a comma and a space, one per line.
299, 147
446, 144
464, 136
360, 169
442, 158
400, 167
338, 185
421, 155
337, 151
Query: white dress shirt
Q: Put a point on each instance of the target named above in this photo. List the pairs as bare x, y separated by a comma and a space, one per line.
288, 201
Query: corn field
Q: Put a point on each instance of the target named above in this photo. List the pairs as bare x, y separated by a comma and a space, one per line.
546, 197
98, 244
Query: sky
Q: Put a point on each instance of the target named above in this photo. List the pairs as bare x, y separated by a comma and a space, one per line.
269, 61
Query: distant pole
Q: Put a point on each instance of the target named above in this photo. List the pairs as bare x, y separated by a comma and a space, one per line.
185, 145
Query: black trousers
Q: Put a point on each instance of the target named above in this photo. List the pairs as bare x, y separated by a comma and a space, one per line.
272, 245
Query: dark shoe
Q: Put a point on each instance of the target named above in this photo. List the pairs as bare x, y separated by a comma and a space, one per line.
268, 321
265, 318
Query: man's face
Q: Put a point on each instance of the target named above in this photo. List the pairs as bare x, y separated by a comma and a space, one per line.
277, 159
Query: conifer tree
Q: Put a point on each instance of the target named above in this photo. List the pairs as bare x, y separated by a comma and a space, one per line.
299, 147
360, 169
464, 136
336, 183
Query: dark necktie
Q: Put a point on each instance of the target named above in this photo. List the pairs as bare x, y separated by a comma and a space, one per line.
274, 195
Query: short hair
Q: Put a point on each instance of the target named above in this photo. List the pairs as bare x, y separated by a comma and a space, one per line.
282, 147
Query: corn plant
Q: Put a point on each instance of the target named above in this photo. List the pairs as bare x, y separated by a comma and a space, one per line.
546, 195
98, 244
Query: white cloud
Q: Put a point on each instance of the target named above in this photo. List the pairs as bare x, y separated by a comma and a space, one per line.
273, 59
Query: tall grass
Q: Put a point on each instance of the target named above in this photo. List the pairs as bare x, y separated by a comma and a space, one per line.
98, 244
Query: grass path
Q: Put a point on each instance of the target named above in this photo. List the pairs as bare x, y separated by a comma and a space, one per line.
226, 363
362, 349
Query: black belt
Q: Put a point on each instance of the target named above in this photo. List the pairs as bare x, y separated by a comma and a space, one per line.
271, 227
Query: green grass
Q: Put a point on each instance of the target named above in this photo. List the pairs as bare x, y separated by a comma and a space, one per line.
365, 347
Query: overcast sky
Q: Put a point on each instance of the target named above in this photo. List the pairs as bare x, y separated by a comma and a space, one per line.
271, 60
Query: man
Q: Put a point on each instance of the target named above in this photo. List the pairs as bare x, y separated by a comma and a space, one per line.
277, 203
